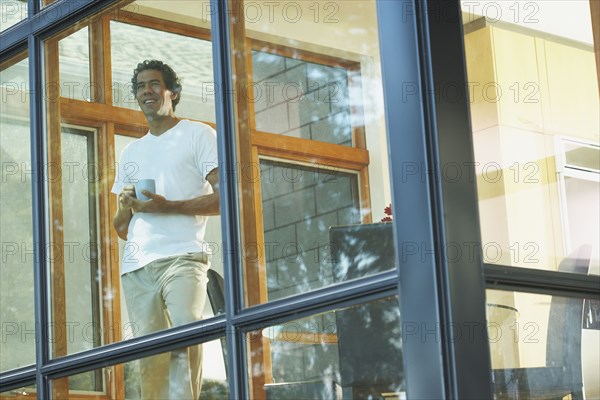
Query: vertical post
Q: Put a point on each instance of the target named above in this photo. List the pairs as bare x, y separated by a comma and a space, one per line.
51, 98
40, 272
402, 67
226, 140
455, 203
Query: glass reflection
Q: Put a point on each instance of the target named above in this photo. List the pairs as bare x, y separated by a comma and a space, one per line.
25, 392
13, 11
89, 126
544, 346
301, 99
191, 57
350, 353
535, 129
312, 145
74, 66
131, 381
300, 204
16, 272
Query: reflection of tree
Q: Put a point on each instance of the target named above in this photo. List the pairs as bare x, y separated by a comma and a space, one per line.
357, 350
214, 390
369, 341
211, 389
361, 250
369, 336
305, 350
132, 381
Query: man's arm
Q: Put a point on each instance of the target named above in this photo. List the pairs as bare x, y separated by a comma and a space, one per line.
201, 205
123, 215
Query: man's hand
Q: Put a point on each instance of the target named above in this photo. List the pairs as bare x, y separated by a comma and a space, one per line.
122, 218
126, 197
157, 203
128, 201
207, 204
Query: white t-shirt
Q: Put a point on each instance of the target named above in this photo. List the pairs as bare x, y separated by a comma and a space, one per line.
178, 160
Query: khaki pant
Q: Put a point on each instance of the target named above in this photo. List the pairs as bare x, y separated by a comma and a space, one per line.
165, 293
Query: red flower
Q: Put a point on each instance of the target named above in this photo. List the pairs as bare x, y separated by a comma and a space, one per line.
388, 212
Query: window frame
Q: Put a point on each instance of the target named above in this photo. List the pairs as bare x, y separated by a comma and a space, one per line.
563, 171
132, 123
426, 47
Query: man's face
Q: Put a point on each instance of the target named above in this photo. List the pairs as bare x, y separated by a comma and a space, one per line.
154, 98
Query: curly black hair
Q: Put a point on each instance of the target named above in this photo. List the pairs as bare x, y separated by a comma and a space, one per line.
170, 77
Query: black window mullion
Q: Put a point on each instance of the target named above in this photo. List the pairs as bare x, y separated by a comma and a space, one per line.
502, 277
231, 235
348, 294
455, 205
33, 7
40, 233
45, 22
134, 349
420, 303
17, 378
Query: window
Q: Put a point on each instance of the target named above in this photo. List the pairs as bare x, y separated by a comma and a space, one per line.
579, 176
12, 13
214, 382
327, 114
312, 165
315, 147
16, 274
514, 128
535, 134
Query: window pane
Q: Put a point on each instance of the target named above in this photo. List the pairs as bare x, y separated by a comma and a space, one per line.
13, 11
312, 147
582, 157
543, 346
80, 233
301, 99
77, 295
17, 347
95, 149
20, 393
190, 57
583, 218
148, 378
534, 121
350, 353
300, 204
74, 64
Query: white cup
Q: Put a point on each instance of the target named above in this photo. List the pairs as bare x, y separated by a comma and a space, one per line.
144, 184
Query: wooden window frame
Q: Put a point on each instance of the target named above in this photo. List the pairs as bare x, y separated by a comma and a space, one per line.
132, 123
254, 144
123, 121
299, 150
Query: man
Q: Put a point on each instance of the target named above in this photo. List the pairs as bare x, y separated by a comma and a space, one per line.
164, 268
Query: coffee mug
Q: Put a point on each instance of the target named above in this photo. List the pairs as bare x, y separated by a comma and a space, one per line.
144, 184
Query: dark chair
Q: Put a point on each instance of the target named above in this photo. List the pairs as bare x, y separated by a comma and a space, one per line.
216, 295
562, 374
216, 292
369, 338
361, 250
